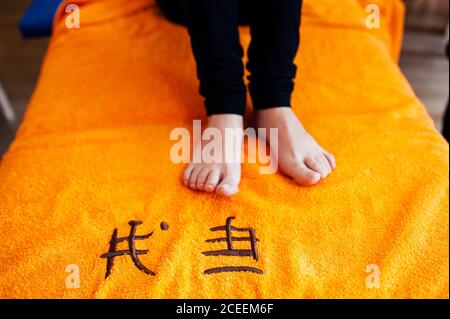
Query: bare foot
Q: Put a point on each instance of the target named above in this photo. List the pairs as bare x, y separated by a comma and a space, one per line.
299, 155
223, 176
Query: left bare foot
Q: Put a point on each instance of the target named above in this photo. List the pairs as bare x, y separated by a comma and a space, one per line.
299, 155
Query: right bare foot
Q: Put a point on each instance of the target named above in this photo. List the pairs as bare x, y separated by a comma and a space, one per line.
221, 177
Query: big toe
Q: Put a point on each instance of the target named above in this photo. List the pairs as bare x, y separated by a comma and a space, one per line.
229, 185
302, 175
227, 189
318, 165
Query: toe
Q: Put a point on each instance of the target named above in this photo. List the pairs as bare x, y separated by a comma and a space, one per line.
331, 160
193, 178
187, 174
303, 175
229, 184
325, 165
316, 164
201, 179
227, 188
212, 180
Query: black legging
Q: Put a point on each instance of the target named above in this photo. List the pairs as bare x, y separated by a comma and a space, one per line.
213, 28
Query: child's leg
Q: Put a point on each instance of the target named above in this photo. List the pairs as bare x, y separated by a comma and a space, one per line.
213, 28
275, 38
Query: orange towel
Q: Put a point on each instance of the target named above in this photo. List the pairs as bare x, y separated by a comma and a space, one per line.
92, 154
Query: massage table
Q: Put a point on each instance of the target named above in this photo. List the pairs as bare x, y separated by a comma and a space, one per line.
92, 206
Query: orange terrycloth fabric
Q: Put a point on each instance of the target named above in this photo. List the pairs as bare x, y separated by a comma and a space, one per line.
391, 24
93, 153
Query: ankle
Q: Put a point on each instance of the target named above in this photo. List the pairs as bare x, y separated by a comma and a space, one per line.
226, 120
273, 111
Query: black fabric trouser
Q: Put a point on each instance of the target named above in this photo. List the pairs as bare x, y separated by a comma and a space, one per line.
213, 28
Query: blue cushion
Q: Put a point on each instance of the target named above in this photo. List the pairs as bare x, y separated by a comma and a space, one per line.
38, 18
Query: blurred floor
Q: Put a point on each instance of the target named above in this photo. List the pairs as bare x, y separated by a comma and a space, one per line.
423, 62
426, 66
19, 64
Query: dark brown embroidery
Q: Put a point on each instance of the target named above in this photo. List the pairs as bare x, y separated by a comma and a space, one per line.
132, 251
164, 226
232, 269
231, 251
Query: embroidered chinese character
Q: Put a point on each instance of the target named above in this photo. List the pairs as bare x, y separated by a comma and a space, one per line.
231, 251
131, 251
